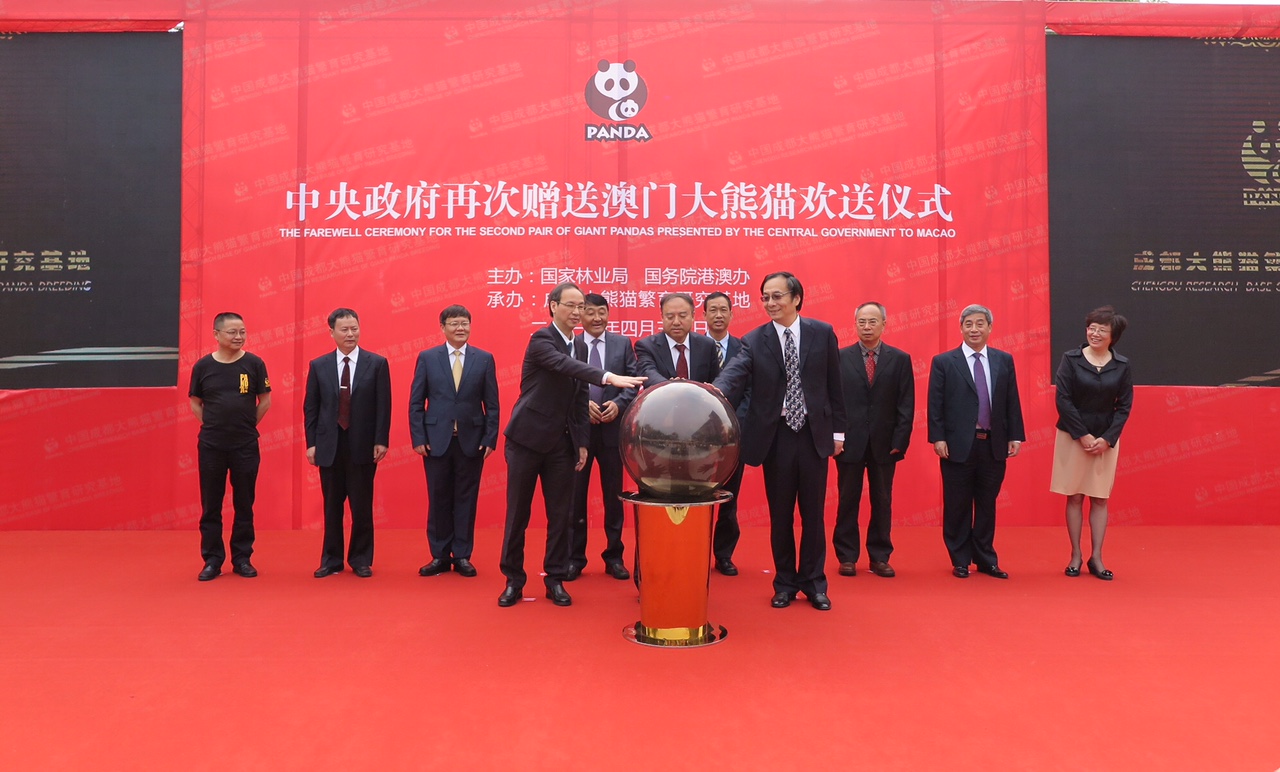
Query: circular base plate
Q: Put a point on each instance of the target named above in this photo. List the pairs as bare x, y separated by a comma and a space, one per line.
716, 635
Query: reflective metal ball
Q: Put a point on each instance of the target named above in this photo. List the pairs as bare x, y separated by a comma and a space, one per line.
679, 440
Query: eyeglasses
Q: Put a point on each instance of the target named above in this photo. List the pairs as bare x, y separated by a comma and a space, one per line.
573, 306
775, 297
457, 325
232, 333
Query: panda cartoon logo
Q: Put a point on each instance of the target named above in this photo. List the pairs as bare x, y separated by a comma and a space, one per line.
616, 92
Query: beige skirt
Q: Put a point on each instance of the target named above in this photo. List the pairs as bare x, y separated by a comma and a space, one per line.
1075, 471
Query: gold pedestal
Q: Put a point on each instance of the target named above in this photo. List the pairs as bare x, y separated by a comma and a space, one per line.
673, 569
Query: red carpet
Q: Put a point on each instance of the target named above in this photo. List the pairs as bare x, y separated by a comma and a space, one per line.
115, 658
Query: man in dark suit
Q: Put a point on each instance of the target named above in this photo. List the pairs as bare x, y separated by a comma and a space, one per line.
347, 419
795, 422
677, 351
605, 405
880, 399
717, 310
454, 434
547, 437
975, 425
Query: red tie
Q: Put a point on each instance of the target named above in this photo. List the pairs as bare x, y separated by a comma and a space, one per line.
344, 395
682, 364
871, 367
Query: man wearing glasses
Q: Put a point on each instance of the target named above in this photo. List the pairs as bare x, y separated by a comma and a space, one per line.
547, 438
795, 422
453, 422
230, 393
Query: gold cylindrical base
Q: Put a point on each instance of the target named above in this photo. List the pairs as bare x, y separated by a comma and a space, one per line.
673, 637
673, 568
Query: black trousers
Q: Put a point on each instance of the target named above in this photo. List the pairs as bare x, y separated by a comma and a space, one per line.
725, 538
610, 463
845, 538
215, 465
969, 491
525, 467
352, 484
453, 486
794, 474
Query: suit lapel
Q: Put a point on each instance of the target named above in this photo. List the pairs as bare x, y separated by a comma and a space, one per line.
806, 340
962, 361
771, 344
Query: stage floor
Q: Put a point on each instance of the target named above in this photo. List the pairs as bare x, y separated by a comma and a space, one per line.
115, 657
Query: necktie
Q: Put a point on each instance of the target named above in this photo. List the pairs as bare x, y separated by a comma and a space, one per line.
457, 369
871, 366
720, 352
596, 390
344, 394
984, 399
793, 404
682, 364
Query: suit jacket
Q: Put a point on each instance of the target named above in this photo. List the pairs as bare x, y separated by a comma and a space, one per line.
653, 357
1092, 402
759, 366
735, 348
953, 403
620, 358
370, 422
881, 414
553, 393
472, 406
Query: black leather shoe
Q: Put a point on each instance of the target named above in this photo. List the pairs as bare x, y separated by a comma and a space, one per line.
324, 571
993, 571
960, 572
1103, 574
464, 567
820, 601
557, 595
510, 596
436, 566
617, 570
573, 573
364, 572
210, 571
245, 568
782, 599
726, 567
848, 569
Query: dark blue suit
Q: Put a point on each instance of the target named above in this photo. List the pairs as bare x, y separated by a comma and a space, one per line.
653, 359
620, 358
974, 471
456, 425
345, 457
795, 463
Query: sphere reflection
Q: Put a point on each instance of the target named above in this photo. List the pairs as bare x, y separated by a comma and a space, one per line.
679, 440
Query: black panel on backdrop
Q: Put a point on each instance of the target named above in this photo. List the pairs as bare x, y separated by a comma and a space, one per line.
1164, 201
91, 136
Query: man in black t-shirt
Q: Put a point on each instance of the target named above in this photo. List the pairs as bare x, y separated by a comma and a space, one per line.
230, 393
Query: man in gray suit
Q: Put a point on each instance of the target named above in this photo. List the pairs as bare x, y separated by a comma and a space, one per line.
453, 420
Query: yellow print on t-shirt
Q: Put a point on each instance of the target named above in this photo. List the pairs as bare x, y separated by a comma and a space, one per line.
244, 383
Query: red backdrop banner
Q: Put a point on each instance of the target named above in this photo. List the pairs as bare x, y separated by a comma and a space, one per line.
399, 156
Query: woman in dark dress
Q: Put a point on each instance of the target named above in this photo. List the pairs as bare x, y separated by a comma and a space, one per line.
1095, 394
